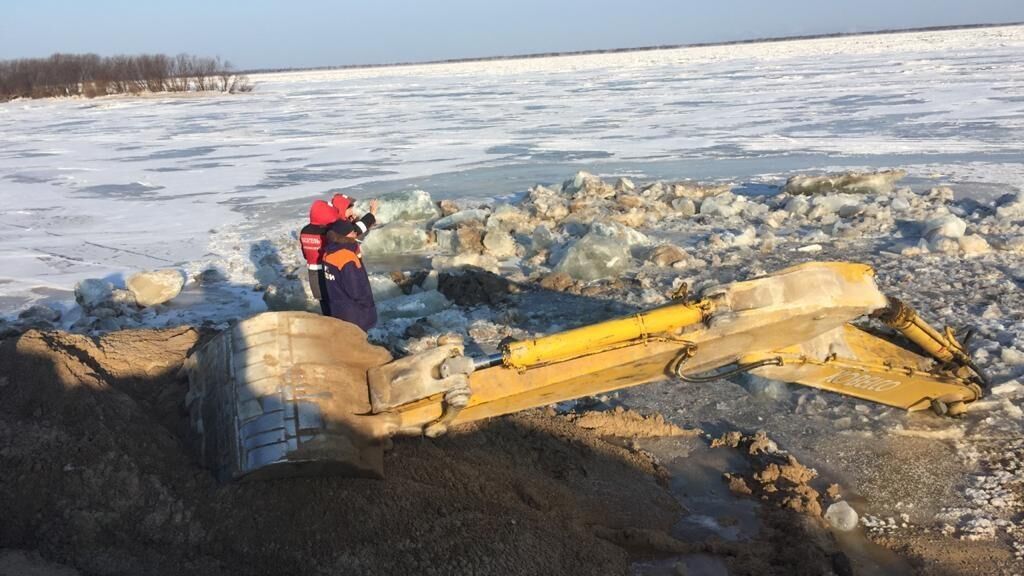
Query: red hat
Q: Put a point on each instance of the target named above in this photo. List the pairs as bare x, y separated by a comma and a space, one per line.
341, 203
322, 214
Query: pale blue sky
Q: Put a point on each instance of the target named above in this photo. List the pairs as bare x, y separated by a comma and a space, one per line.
301, 33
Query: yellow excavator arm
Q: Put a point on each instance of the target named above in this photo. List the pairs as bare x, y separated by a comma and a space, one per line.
289, 392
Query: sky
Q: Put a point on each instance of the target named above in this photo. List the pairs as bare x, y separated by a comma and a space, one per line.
257, 34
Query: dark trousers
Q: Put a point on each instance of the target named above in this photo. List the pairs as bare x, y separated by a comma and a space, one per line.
318, 286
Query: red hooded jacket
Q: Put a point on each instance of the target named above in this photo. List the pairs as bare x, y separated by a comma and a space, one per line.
311, 237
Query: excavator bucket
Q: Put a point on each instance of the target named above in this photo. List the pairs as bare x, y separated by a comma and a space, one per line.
285, 394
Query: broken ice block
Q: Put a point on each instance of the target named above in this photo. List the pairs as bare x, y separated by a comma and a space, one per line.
407, 205
384, 288
948, 226
452, 222
723, 205
397, 238
620, 232
594, 257
853, 182
417, 305
93, 293
156, 287
841, 516
498, 242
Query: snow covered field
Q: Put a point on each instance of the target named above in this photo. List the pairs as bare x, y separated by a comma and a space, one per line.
101, 188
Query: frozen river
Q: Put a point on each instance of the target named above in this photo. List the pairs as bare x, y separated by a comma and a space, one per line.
104, 188
101, 188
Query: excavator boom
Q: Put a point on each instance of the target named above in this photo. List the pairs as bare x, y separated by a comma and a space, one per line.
289, 392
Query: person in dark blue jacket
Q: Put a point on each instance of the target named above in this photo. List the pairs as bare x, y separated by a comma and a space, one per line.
348, 285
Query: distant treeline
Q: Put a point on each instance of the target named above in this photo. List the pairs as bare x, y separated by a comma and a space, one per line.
91, 75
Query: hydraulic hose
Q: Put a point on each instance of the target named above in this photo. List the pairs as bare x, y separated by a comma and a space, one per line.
738, 369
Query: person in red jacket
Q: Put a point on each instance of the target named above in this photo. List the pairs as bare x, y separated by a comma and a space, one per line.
343, 204
312, 238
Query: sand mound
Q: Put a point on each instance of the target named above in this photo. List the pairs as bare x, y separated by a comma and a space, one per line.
624, 423
95, 474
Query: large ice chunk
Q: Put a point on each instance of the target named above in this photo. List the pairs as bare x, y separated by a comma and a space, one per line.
156, 287
458, 261
499, 242
397, 238
407, 205
762, 387
684, 206
384, 288
417, 305
451, 320
829, 206
667, 255
744, 239
841, 516
948, 226
39, 313
547, 203
698, 190
289, 294
93, 293
853, 182
621, 233
542, 238
797, 205
724, 205
594, 257
585, 184
973, 244
452, 221
511, 215
1012, 210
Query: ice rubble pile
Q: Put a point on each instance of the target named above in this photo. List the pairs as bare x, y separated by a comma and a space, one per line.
101, 306
642, 243
584, 228
638, 243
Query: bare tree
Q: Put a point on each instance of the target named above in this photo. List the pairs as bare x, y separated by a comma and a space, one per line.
154, 69
203, 71
225, 76
240, 83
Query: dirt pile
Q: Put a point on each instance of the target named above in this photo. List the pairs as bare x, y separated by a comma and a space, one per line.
775, 475
624, 423
473, 286
95, 474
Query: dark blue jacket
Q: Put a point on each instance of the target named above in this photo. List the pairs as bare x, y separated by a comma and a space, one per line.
348, 286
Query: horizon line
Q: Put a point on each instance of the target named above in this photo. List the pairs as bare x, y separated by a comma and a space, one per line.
532, 55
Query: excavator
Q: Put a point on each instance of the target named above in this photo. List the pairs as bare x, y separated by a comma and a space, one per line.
293, 393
